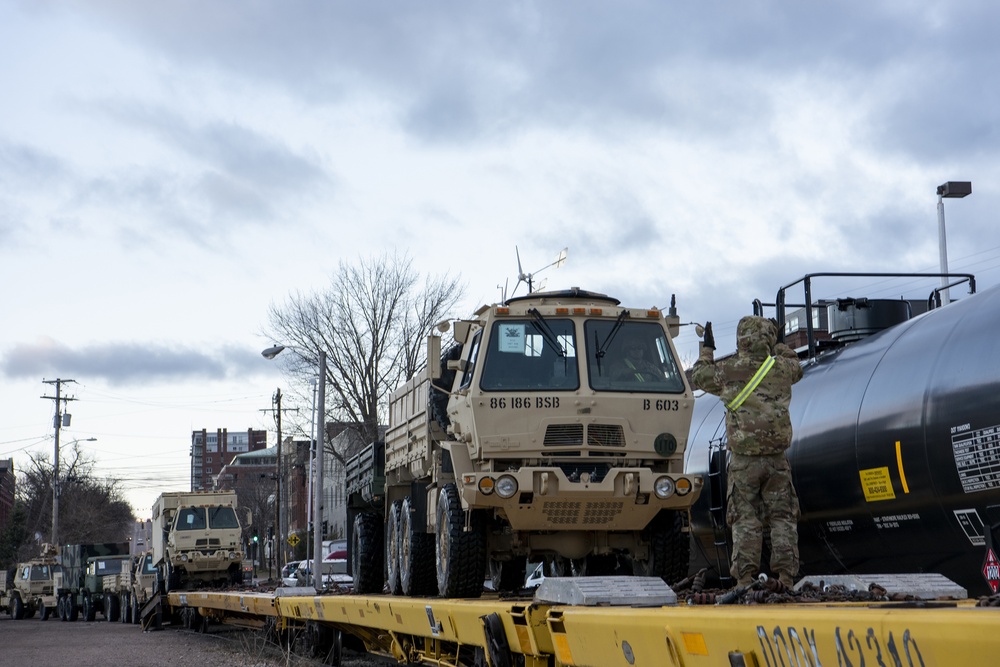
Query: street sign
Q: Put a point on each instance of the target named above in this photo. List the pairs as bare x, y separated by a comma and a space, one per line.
293, 540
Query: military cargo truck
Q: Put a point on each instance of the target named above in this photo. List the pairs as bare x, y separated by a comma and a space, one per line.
553, 429
80, 582
196, 539
29, 588
143, 585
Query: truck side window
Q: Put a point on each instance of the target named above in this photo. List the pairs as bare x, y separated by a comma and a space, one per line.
473, 354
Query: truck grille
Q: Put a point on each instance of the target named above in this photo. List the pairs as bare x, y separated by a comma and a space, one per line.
605, 435
571, 435
210, 542
570, 513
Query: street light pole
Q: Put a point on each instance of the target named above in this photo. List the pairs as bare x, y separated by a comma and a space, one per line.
954, 190
318, 489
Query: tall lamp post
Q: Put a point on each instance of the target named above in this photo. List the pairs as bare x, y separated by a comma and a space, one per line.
951, 190
55, 486
271, 353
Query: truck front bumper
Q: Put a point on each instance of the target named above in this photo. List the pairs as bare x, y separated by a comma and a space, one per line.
546, 499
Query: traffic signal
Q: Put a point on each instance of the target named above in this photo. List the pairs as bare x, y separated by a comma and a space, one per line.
255, 536
270, 532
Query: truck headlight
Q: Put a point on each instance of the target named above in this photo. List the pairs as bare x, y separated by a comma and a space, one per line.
184, 558
232, 555
506, 486
664, 487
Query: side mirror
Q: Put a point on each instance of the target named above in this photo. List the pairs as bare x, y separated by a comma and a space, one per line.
434, 357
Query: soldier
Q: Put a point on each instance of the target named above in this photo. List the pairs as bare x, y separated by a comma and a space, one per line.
756, 387
634, 366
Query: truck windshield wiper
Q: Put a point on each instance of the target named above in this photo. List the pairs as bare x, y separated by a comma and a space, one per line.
602, 348
546, 331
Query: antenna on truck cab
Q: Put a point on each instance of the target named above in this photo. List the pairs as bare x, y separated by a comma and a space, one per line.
528, 278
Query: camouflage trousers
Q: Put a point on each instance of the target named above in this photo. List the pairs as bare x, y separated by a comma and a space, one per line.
760, 496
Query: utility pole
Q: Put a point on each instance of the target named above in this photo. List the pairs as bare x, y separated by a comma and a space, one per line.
61, 419
279, 531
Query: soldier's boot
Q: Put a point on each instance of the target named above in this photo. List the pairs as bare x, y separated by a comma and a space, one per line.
786, 580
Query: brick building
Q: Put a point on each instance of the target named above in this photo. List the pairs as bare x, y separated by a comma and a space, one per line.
211, 451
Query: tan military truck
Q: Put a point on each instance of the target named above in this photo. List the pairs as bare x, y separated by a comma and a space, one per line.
29, 588
144, 583
554, 429
132, 588
196, 539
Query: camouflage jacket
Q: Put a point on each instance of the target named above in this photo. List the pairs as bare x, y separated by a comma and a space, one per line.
761, 425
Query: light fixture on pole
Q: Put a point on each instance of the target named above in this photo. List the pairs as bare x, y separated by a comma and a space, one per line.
317, 569
951, 190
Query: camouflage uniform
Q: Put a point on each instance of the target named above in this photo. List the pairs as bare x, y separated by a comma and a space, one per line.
758, 432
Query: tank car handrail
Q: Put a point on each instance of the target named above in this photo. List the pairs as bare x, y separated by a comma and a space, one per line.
780, 305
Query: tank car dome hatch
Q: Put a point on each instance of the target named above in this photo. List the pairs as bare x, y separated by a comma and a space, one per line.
571, 294
853, 319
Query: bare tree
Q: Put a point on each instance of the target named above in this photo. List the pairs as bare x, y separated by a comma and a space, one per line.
91, 509
371, 321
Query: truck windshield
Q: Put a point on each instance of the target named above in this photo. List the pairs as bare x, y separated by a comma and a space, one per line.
40, 573
527, 355
222, 516
630, 356
191, 518
111, 566
147, 565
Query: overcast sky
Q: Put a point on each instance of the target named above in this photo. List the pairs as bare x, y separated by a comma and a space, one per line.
169, 170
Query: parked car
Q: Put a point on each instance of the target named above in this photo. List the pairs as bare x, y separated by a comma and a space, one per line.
335, 574
288, 573
536, 575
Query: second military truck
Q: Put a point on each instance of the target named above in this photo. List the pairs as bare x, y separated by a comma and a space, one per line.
196, 539
554, 429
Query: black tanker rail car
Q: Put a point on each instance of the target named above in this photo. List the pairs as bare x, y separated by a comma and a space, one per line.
896, 448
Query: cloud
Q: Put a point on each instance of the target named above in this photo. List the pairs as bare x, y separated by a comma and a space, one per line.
128, 363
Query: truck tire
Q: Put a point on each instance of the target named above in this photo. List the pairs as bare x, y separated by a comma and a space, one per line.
16, 608
135, 609
172, 580
416, 556
392, 549
112, 607
367, 553
89, 611
44, 612
669, 548
460, 556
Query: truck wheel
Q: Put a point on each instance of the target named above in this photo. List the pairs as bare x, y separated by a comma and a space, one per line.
135, 610
126, 612
112, 607
669, 548
44, 612
89, 610
460, 556
72, 611
61, 608
16, 608
173, 579
367, 553
416, 556
392, 549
